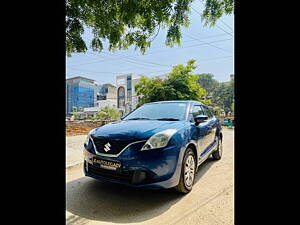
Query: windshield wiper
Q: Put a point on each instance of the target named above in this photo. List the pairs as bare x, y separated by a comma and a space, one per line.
169, 119
137, 118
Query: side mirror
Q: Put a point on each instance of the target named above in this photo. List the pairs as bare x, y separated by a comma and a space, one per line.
200, 119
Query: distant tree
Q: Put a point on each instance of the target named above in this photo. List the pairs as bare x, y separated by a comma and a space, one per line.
224, 96
218, 111
215, 9
133, 22
207, 82
108, 113
232, 107
77, 116
181, 84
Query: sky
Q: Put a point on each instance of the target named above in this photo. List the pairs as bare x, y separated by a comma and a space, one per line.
211, 47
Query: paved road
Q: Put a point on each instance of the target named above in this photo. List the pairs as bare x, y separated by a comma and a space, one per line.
210, 203
74, 147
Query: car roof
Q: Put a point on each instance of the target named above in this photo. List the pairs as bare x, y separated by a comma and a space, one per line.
175, 101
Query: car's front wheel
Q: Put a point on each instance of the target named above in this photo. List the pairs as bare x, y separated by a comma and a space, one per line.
188, 171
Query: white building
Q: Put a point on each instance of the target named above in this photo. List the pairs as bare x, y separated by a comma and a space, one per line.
126, 95
106, 96
112, 103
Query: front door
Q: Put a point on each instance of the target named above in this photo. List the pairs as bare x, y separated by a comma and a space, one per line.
200, 131
211, 126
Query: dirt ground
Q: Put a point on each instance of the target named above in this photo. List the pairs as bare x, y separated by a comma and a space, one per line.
73, 131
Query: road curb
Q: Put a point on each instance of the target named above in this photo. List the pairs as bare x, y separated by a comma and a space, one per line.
74, 165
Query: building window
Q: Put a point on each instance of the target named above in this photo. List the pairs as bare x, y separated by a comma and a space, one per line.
129, 96
129, 83
121, 97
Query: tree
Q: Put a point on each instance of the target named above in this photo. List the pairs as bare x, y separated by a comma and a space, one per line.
232, 107
224, 96
207, 82
133, 22
215, 9
108, 113
218, 111
181, 84
76, 116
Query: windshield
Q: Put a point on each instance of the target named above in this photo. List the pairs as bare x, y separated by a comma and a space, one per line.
159, 111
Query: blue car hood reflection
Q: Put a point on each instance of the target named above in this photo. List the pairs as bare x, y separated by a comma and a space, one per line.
136, 129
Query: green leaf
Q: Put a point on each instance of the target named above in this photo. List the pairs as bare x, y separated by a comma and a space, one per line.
133, 22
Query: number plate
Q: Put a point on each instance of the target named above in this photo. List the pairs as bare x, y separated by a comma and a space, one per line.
105, 164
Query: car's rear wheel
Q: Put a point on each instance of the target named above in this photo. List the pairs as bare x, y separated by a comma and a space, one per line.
188, 171
217, 155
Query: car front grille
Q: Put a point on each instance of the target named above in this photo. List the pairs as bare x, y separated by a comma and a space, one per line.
125, 176
111, 146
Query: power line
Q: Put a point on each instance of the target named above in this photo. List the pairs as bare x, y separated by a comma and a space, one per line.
157, 64
216, 24
219, 18
90, 62
80, 60
111, 72
208, 61
186, 41
153, 63
208, 37
205, 60
209, 43
129, 60
223, 57
226, 24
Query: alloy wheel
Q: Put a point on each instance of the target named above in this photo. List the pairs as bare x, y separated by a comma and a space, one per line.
189, 171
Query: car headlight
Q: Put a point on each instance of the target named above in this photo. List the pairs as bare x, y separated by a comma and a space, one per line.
159, 140
86, 142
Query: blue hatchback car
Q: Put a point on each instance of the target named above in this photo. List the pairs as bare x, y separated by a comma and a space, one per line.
158, 145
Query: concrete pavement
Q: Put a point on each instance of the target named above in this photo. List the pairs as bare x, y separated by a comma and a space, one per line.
74, 147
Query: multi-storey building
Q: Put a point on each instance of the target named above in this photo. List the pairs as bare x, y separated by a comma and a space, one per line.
107, 96
126, 95
81, 92
107, 91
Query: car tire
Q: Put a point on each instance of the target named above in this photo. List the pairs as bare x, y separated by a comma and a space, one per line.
217, 154
188, 171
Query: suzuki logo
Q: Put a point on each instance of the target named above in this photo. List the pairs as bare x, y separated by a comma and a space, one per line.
107, 147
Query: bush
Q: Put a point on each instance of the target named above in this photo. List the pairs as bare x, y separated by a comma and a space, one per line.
76, 116
108, 113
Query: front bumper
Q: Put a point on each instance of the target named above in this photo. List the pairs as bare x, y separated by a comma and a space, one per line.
157, 168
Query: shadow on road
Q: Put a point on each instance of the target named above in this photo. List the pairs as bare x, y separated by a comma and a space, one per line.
94, 200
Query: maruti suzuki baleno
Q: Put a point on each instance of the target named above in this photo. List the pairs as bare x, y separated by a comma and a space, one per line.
158, 145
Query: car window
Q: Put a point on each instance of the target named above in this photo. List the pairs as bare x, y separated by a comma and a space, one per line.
207, 112
210, 112
197, 110
176, 111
